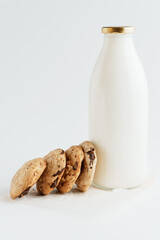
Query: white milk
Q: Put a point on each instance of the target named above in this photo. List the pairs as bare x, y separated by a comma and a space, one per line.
118, 114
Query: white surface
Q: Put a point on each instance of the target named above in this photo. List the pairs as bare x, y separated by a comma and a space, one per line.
47, 52
94, 214
118, 114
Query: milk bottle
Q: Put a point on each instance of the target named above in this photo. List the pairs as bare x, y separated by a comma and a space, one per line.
118, 112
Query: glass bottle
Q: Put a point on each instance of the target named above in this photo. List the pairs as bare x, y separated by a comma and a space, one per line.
118, 112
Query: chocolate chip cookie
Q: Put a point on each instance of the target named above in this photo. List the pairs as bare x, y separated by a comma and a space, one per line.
56, 162
74, 158
26, 177
88, 166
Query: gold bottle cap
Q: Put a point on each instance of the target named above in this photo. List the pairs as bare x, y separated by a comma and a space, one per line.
125, 29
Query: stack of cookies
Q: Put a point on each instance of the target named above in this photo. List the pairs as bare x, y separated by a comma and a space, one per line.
59, 169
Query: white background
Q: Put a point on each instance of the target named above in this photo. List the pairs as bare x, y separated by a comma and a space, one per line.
47, 53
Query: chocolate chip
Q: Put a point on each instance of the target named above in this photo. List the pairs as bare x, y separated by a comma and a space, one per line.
91, 156
62, 152
75, 166
58, 173
53, 185
25, 192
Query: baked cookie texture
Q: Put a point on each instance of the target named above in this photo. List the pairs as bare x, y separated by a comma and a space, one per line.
26, 177
88, 166
74, 158
56, 163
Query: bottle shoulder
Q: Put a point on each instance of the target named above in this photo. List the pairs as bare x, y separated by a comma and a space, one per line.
112, 65
118, 73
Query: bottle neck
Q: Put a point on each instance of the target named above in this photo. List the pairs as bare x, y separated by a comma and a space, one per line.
118, 40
